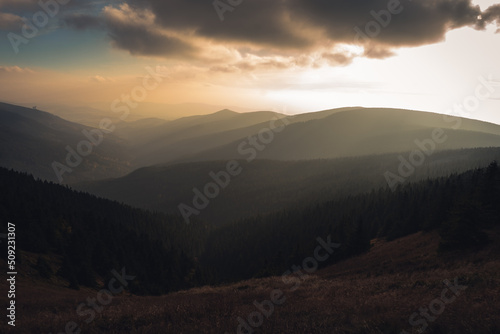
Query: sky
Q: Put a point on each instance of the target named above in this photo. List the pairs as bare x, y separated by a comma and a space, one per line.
290, 56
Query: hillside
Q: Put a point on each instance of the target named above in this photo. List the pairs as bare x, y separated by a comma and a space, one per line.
460, 207
327, 134
87, 236
266, 186
373, 293
367, 284
54, 219
90, 114
31, 140
157, 141
167, 141
358, 132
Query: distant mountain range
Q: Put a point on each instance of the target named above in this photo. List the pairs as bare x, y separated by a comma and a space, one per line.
358, 132
266, 192
31, 140
92, 113
266, 186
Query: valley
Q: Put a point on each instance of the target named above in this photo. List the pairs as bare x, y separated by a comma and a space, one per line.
364, 240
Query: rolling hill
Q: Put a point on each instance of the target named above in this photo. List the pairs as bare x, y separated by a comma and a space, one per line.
358, 132
396, 254
265, 186
155, 141
31, 140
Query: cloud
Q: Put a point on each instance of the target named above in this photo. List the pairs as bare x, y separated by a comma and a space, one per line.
80, 21
15, 69
101, 79
281, 33
337, 59
12, 5
377, 52
257, 22
135, 31
492, 14
298, 23
10, 21
415, 22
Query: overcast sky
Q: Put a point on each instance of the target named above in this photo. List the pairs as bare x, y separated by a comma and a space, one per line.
287, 55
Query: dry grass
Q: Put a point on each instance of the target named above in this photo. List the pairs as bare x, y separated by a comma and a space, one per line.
373, 293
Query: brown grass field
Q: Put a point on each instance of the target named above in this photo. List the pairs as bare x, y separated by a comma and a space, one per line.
374, 293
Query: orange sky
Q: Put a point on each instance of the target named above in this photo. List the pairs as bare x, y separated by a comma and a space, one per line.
98, 54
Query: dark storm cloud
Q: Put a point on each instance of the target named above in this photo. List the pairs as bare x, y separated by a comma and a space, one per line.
140, 41
139, 38
261, 22
280, 23
416, 22
17, 5
83, 21
133, 31
492, 14
289, 27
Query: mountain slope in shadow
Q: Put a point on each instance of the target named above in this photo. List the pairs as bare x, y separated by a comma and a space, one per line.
265, 186
357, 132
31, 140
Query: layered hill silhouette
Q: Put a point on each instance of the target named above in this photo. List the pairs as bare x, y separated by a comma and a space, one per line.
343, 132
32, 140
361, 131
155, 141
443, 230
265, 186
326, 134
321, 177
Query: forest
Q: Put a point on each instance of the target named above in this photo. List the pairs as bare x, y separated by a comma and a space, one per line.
88, 236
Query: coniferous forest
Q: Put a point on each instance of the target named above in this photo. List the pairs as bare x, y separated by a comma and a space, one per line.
90, 235
250, 167
393, 213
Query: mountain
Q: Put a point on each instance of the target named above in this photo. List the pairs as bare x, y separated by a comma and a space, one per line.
168, 111
92, 113
183, 138
265, 186
167, 141
342, 132
460, 207
32, 140
87, 236
342, 264
358, 132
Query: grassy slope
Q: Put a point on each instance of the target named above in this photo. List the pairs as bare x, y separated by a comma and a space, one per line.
373, 293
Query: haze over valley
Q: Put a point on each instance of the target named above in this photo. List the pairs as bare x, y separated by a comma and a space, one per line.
292, 166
